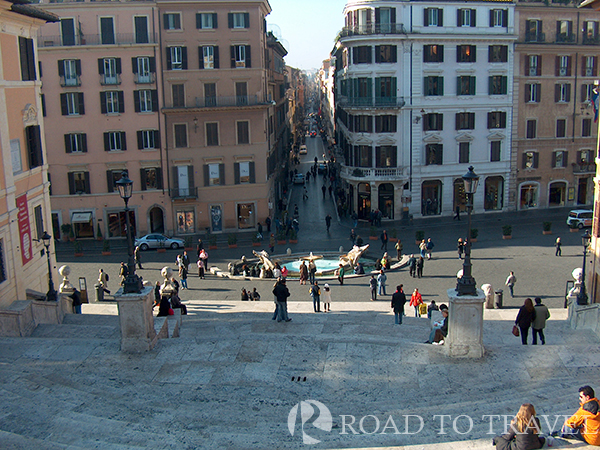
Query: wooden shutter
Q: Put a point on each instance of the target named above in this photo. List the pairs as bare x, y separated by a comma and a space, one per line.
71, 178
473, 18
491, 17
63, 105
232, 56
175, 178
536, 158
143, 178
556, 93
101, 66
136, 101
527, 66
140, 140
106, 142
134, 64
457, 121
505, 18
169, 61
121, 98
215, 23
553, 159
216, 56
191, 184
110, 187
459, 21
159, 182
198, 21
252, 172
118, 65
568, 99
236, 173
78, 67
152, 64
472, 85
68, 143
165, 21
222, 174
230, 20
184, 60
524, 161
565, 158
84, 143
200, 57
206, 179
154, 94
123, 141
426, 17
86, 177
539, 66
440, 17
246, 20
61, 67
394, 51
81, 103
156, 139
103, 102
248, 57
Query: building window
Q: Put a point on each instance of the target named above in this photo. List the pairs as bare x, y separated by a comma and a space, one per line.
385, 156
246, 215
498, 53
465, 85
208, 56
386, 54
178, 93
533, 31
27, 58
109, 70
172, 21
140, 24
185, 217
107, 30
180, 130
433, 53
241, 93
463, 152
385, 90
71, 104
69, 71
498, 85
143, 67
244, 172
145, 100
385, 124
67, 31
590, 66
210, 94
148, 139
206, 21
2, 266
562, 92
240, 56
466, 53
584, 157
466, 18
243, 132
361, 54
587, 91
530, 160
212, 134
238, 20
559, 159
434, 86
498, 18
495, 147
433, 122
79, 183
494, 194
586, 127
561, 128
434, 154
563, 66
590, 32
496, 119
531, 126
111, 102
34, 145
533, 92
115, 141
564, 31
177, 58
151, 178
465, 121
214, 174
533, 65
363, 124
76, 143
433, 17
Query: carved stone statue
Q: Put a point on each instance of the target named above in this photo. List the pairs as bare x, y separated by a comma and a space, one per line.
65, 287
167, 287
353, 255
264, 258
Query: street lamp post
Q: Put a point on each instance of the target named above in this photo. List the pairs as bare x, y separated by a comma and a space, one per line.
466, 284
51, 295
133, 283
582, 297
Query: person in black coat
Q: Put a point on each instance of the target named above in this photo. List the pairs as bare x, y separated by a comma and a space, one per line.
523, 433
525, 319
398, 302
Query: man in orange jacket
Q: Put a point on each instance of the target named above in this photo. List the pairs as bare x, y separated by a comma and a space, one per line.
584, 425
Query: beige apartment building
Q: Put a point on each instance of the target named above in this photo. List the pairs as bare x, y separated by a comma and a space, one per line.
24, 200
554, 132
101, 87
224, 113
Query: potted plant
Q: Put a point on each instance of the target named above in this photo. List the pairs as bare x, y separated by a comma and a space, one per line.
281, 239
255, 241
232, 240
161, 247
393, 235
66, 229
474, 233
293, 236
71, 235
78, 249
187, 243
573, 228
547, 228
419, 236
373, 234
106, 248
506, 231
98, 233
212, 241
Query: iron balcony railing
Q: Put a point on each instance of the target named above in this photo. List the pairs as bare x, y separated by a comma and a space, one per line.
584, 168
535, 37
377, 173
565, 38
230, 101
360, 30
373, 102
591, 40
183, 193
96, 39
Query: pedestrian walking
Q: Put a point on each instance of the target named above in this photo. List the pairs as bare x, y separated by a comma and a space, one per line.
76, 296
103, 280
123, 272
558, 245
199, 247
340, 274
315, 293
136, 255
460, 247
412, 266
259, 230
422, 248
525, 318
204, 257
373, 287
328, 221
268, 224
381, 281
312, 271
272, 242
186, 260
352, 236
415, 300
324, 190
276, 312
200, 265
429, 246
420, 263
398, 302
457, 215
354, 217
384, 240
510, 282
399, 247
539, 323
303, 272
282, 293
183, 273
326, 297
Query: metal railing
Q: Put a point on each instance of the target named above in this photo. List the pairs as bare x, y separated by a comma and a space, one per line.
94, 39
110, 80
373, 102
183, 193
70, 81
229, 101
379, 173
565, 38
145, 79
590, 40
584, 168
360, 30
535, 37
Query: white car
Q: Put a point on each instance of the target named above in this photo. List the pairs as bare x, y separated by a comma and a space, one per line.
156, 240
303, 150
299, 178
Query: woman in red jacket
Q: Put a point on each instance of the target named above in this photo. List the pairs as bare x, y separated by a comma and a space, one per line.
416, 300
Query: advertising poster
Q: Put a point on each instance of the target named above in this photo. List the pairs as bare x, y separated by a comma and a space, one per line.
24, 229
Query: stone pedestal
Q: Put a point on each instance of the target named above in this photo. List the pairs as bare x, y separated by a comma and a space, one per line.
465, 325
136, 320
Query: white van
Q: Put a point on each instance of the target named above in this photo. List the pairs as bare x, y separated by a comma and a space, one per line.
580, 218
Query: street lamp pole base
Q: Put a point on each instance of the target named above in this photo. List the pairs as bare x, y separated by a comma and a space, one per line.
466, 286
133, 284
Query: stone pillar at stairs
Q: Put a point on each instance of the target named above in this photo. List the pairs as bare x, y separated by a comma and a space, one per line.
136, 320
465, 325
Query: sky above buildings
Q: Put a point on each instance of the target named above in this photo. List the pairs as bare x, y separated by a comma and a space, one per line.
306, 28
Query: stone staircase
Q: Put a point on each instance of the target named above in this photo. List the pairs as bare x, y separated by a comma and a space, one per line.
231, 378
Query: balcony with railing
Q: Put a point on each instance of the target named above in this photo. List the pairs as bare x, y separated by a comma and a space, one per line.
144, 78
372, 102
183, 193
584, 168
110, 80
70, 80
96, 39
380, 28
535, 37
565, 38
371, 173
230, 101
590, 39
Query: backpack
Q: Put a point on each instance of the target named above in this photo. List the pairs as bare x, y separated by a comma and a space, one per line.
107, 277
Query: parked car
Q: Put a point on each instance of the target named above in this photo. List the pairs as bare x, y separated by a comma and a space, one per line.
321, 168
580, 218
299, 178
303, 150
156, 240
